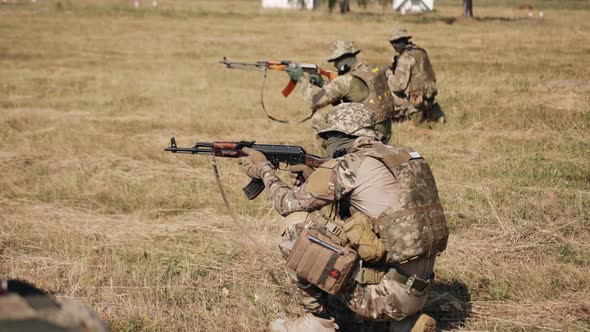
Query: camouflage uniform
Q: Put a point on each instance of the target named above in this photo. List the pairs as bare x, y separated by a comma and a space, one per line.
413, 83
362, 84
394, 189
30, 309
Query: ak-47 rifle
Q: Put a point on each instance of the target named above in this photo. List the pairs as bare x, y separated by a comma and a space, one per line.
276, 154
309, 68
279, 65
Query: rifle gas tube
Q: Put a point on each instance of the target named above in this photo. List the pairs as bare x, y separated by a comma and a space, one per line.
276, 154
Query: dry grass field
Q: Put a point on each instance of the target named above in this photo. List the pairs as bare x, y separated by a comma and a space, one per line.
92, 208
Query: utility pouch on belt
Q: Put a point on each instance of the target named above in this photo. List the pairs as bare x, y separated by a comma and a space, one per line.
370, 276
360, 234
321, 261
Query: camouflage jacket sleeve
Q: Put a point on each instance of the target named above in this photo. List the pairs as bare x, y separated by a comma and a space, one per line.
399, 80
286, 199
331, 93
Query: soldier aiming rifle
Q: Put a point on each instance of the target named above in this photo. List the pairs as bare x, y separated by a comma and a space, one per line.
374, 248
282, 65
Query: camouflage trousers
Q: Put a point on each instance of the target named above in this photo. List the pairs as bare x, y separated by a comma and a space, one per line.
372, 305
427, 111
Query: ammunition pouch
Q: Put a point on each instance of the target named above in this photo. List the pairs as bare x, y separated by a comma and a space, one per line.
411, 283
321, 261
360, 235
370, 275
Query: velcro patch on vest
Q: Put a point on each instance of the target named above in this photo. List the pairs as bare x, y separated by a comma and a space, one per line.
415, 155
395, 160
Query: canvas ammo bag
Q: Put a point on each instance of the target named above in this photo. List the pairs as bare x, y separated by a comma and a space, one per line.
321, 261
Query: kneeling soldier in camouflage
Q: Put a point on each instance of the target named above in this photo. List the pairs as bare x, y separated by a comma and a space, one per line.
412, 81
357, 82
381, 203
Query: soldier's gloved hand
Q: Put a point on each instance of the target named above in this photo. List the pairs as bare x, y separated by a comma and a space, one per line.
316, 79
295, 72
296, 170
253, 163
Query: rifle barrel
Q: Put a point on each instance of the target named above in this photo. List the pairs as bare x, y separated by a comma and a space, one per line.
194, 150
244, 66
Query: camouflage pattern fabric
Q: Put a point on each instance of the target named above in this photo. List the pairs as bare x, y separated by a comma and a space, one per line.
413, 86
39, 312
414, 225
342, 47
332, 93
386, 299
399, 33
351, 119
399, 80
343, 89
379, 101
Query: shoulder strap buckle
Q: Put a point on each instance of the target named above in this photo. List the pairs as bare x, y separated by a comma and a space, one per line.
409, 284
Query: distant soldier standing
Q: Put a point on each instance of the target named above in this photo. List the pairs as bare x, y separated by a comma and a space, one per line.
357, 82
412, 81
388, 211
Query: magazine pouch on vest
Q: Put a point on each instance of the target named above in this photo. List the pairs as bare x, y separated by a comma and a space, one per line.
321, 261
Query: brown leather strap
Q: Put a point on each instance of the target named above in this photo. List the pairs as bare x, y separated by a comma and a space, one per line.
226, 202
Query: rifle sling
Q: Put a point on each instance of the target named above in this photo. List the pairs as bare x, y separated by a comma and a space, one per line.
226, 202
262, 101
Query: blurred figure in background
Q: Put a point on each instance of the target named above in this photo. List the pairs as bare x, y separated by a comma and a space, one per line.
26, 308
412, 81
357, 82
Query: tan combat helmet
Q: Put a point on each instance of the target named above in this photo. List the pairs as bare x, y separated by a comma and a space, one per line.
352, 119
342, 47
399, 33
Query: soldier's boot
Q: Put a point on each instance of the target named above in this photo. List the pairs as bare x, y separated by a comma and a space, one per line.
416, 323
307, 323
424, 323
435, 114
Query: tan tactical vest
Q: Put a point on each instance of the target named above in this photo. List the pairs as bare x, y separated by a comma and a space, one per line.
415, 224
379, 100
423, 79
